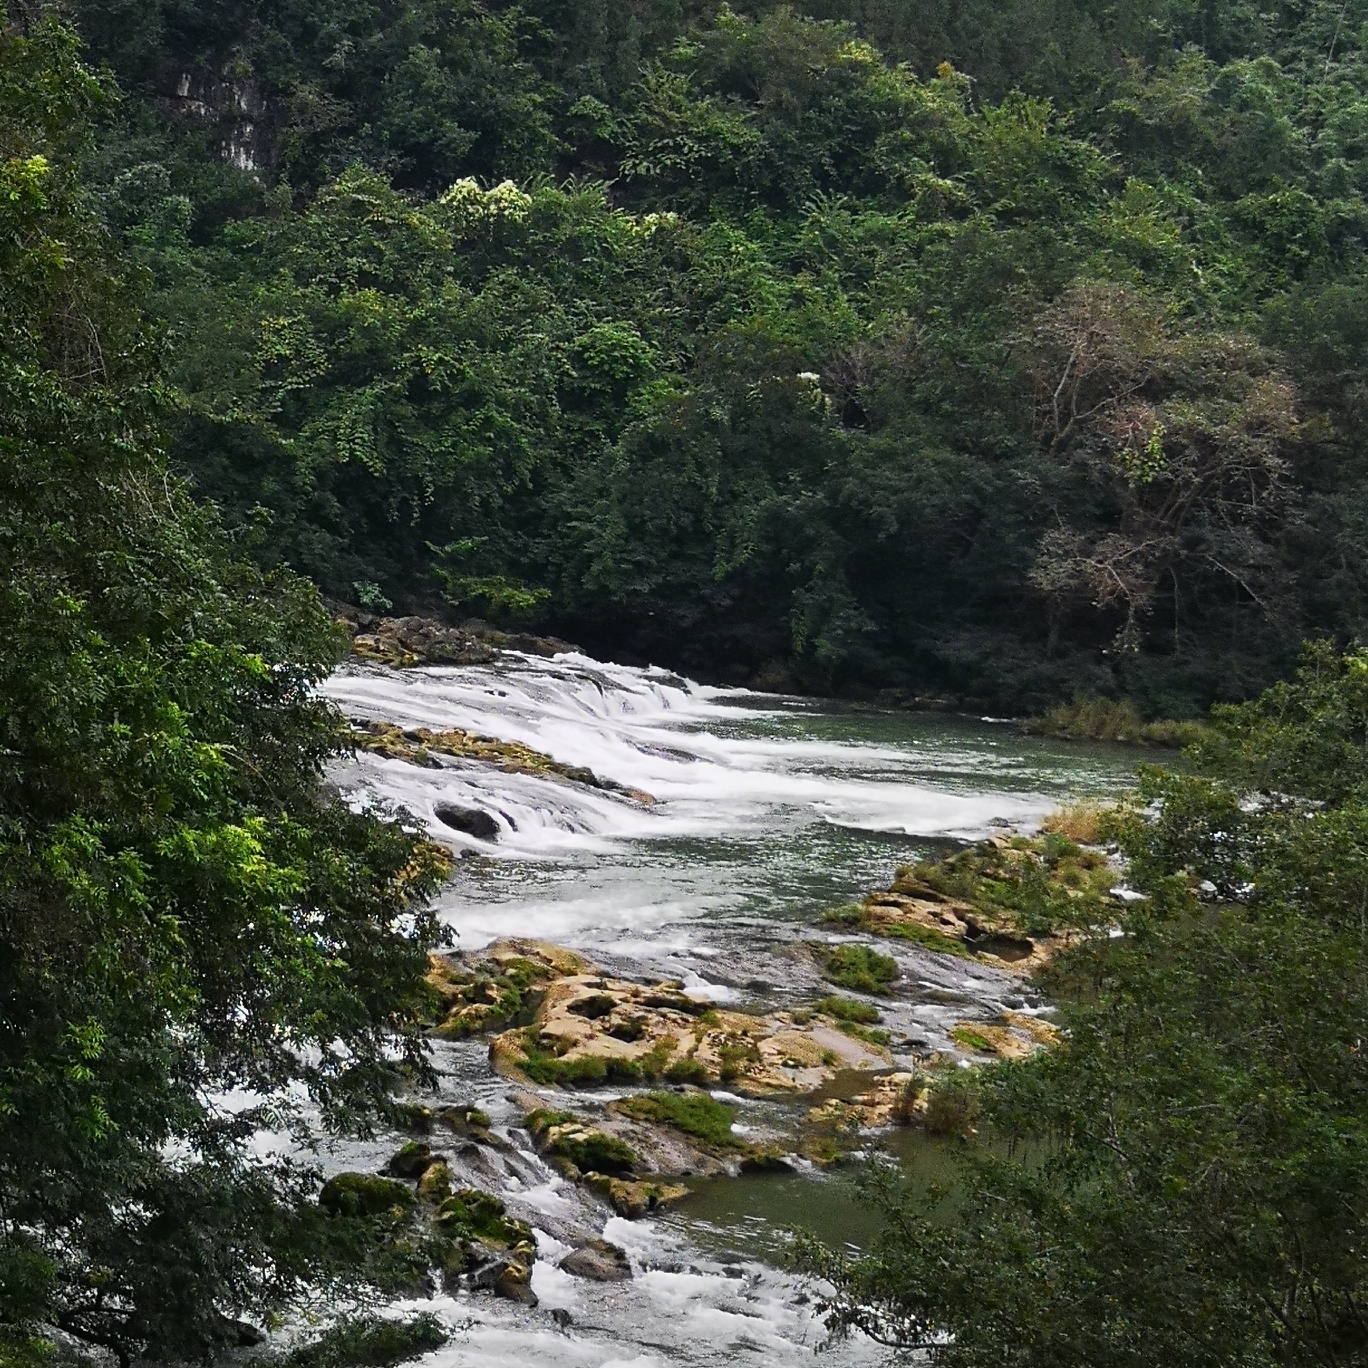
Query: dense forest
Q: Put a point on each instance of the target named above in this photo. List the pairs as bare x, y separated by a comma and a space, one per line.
1004, 352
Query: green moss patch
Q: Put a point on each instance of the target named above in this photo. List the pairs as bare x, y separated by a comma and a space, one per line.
363, 1194
695, 1114
858, 968
972, 1039
542, 1066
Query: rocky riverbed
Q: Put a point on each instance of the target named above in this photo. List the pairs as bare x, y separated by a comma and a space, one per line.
706, 943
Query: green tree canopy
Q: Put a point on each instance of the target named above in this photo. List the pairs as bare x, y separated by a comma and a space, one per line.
190, 927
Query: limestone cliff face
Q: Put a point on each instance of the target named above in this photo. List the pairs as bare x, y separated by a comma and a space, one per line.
233, 103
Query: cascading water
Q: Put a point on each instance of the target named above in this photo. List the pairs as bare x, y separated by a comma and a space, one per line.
766, 811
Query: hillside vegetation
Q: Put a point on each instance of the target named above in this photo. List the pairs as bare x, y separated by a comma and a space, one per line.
1010, 352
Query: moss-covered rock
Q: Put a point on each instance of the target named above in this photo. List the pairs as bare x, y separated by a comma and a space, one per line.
470, 1213
419, 746
410, 1161
363, 1194
464, 1120
434, 1186
487, 991
584, 1149
633, 1199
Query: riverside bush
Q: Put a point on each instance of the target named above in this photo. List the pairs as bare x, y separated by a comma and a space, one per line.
1194, 1149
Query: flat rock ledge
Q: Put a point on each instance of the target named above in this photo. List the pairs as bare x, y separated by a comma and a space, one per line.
588, 1028
419, 746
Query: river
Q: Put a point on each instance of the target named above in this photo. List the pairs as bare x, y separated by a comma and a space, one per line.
768, 810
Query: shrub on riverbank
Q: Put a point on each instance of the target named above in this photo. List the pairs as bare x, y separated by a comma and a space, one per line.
1193, 1149
1106, 719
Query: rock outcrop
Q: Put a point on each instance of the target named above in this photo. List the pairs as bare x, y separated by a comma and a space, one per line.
467, 1233
419, 746
488, 989
408, 641
1013, 902
589, 1028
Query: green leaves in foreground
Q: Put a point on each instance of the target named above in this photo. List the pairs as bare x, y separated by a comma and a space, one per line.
185, 913
370, 1343
1184, 1180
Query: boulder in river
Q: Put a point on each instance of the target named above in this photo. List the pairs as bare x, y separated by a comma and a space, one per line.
363, 1194
598, 1261
410, 1161
435, 1184
632, 1199
409, 641
507, 1276
470, 821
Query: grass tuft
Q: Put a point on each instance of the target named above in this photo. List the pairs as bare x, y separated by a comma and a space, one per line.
847, 1009
859, 969
695, 1114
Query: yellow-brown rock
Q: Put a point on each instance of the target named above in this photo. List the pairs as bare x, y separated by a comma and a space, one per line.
893, 1100
590, 1029
1042, 1032
985, 1038
435, 1184
633, 1199
418, 746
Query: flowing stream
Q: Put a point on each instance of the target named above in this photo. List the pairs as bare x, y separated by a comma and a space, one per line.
767, 811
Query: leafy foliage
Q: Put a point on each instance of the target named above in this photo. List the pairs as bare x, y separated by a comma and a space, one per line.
369, 1344
184, 913
1001, 365
1181, 1179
